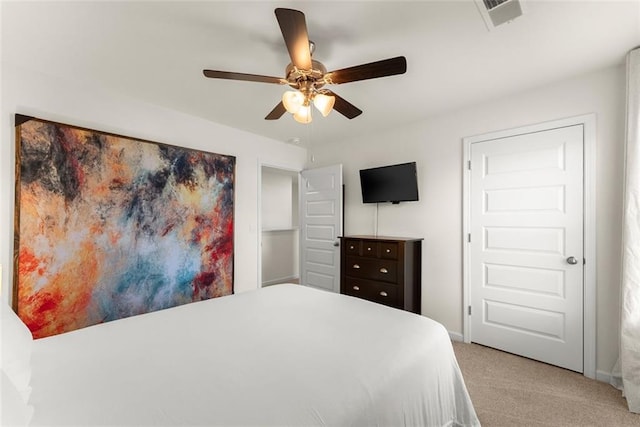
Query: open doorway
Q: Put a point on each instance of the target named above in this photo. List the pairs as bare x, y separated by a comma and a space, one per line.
279, 226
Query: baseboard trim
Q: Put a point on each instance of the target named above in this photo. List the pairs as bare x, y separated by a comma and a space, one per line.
455, 336
604, 377
280, 280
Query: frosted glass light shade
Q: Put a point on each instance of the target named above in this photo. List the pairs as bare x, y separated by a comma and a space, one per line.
303, 115
292, 100
324, 103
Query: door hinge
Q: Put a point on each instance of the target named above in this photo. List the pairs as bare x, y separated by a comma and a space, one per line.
469, 164
469, 310
469, 237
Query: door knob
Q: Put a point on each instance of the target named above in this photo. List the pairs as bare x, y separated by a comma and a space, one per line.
336, 244
572, 260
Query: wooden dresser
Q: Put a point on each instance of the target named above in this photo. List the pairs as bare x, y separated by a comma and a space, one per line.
386, 270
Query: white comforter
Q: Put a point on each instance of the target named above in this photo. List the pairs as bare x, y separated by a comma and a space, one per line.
283, 355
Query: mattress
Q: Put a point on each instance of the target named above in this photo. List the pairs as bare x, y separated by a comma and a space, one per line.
282, 355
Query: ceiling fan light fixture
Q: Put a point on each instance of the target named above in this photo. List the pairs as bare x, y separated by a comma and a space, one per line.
324, 103
303, 115
292, 100
306, 76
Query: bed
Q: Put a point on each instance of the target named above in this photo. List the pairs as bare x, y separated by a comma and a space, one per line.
281, 355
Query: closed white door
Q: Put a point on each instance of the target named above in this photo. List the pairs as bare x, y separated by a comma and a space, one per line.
526, 249
320, 227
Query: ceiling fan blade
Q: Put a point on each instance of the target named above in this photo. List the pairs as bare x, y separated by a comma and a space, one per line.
373, 70
277, 112
242, 76
294, 31
344, 107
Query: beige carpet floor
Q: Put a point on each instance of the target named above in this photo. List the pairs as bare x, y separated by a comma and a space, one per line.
509, 390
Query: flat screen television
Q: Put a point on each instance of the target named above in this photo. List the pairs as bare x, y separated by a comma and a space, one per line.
394, 183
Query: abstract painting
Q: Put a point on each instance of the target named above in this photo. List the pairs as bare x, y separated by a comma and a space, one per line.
108, 227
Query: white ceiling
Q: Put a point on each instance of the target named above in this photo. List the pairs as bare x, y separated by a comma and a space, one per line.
156, 51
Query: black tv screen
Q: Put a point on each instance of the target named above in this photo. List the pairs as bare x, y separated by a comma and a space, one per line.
394, 183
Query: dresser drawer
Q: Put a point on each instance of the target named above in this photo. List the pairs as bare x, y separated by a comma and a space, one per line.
370, 249
352, 246
370, 268
389, 250
383, 293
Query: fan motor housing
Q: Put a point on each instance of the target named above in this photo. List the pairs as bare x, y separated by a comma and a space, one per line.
316, 75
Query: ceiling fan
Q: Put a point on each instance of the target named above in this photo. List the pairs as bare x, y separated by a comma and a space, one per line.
308, 76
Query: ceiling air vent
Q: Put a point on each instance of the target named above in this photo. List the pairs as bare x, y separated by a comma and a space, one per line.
497, 12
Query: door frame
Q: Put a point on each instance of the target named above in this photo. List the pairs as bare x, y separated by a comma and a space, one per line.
261, 165
588, 121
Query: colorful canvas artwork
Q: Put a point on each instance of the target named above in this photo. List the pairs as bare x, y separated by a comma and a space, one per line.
109, 227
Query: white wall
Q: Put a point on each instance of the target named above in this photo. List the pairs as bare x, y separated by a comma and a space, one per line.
436, 145
277, 200
39, 95
280, 256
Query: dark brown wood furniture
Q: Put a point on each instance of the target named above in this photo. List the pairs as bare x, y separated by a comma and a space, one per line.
382, 269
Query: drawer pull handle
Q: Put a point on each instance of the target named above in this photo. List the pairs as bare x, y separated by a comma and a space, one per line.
350, 247
388, 250
356, 266
356, 288
368, 249
384, 270
383, 294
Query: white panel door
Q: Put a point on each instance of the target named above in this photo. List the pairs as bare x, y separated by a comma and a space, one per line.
320, 227
526, 265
